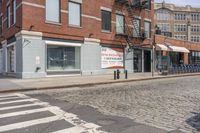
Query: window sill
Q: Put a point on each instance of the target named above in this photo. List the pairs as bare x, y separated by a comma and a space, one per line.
75, 26
106, 31
149, 10
54, 23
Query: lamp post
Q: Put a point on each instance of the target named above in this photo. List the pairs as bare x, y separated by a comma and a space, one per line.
153, 49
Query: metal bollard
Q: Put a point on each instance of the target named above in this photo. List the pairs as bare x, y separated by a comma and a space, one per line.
115, 75
126, 74
118, 74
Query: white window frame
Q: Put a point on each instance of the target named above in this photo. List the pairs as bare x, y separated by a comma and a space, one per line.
14, 11
122, 31
8, 16
149, 32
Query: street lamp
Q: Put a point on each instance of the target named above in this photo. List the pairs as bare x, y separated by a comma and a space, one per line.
153, 48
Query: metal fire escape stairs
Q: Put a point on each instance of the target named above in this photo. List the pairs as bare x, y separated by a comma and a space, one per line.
132, 29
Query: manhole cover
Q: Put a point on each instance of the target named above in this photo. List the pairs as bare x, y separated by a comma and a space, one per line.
106, 122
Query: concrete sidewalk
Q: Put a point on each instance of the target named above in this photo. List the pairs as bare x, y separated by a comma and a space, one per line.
15, 85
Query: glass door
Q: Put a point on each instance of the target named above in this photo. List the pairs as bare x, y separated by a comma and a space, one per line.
137, 60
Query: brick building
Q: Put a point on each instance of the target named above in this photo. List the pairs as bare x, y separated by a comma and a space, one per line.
40, 38
181, 26
178, 22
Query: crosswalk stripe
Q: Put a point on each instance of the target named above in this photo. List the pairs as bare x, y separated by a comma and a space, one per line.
25, 105
17, 101
25, 112
28, 123
76, 129
8, 95
9, 98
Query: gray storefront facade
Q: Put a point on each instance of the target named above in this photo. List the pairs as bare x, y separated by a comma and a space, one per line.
30, 55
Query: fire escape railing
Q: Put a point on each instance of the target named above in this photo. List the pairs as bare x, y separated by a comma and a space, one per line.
132, 26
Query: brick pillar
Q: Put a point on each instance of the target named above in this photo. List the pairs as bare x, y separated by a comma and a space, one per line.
186, 58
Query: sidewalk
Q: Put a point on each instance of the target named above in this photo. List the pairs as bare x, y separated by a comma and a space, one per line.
14, 85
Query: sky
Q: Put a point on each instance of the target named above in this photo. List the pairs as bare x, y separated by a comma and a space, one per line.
193, 3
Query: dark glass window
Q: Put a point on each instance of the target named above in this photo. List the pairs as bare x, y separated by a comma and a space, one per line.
148, 4
106, 20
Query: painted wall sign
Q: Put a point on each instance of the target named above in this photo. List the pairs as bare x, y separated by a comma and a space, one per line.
112, 57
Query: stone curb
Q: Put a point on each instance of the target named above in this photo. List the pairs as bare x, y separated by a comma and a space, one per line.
97, 83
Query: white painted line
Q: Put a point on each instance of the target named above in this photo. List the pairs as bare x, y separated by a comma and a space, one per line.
8, 98
21, 95
8, 95
25, 112
74, 120
25, 105
28, 123
71, 130
17, 101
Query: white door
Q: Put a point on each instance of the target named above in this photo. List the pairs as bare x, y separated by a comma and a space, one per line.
1, 60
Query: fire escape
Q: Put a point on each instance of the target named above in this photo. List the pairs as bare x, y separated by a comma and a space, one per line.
131, 27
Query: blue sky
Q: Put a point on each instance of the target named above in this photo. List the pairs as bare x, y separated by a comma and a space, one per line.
194, 3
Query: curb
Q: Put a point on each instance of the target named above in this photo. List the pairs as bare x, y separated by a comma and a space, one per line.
93, 84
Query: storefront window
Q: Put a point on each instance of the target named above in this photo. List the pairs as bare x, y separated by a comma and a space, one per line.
61, 58
176, 58
137, 60
194, 57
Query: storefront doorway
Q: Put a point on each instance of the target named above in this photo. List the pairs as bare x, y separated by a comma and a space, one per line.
147, 61
10, 59
1, 60
137, 60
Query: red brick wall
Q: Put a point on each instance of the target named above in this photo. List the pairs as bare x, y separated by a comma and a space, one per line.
8, 32
187, 44
35, 16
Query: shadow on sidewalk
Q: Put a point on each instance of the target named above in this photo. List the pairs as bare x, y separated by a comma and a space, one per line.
194, 121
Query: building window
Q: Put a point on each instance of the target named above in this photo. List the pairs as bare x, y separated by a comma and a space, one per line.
195, 17
164, 27
63, 58
106, 20
14, 11
180, 37
179, 16
195, 38
53, 10
136, 27
8, 16
163, 14
147, 29
195, 28
148, 5
180, 28
74, 14
194, 57
119, 24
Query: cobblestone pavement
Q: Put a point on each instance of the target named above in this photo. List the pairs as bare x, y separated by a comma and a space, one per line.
170, 104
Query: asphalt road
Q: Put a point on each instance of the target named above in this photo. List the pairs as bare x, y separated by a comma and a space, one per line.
155, 106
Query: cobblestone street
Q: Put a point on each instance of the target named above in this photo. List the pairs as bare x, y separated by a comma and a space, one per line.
170, 104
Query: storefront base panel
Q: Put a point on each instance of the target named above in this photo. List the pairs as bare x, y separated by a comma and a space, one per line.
26, 75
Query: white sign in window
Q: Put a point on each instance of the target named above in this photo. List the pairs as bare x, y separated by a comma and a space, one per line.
112, 57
